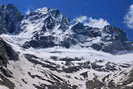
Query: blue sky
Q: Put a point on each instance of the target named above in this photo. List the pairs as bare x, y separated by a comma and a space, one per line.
111, 10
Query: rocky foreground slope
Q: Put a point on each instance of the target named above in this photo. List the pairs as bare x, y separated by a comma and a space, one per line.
45, 50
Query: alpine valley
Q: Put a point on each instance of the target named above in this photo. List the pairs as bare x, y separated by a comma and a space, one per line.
43, 49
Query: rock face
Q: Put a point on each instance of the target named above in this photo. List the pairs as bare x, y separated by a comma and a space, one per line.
6, 54
10, 19
107, 39
50, 24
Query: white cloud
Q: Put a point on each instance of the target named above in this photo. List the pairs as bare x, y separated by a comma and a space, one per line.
98, 23
128, 19
92, 22
81, 19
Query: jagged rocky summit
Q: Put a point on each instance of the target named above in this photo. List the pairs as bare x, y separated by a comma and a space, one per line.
46, 50
48, 28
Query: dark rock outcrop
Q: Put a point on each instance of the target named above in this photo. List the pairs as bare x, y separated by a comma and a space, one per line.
10, 19
6, 54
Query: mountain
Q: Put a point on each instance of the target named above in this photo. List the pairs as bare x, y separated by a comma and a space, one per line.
49, 26
46, 50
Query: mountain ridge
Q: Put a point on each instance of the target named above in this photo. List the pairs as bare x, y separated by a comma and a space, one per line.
63, 33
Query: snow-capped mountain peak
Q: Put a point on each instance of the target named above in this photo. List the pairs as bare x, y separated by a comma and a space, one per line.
43, 19
54, 29
43, 10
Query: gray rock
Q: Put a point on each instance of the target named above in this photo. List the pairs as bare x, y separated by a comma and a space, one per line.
10, 19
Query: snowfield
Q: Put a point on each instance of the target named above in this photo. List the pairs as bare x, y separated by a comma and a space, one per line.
89, 53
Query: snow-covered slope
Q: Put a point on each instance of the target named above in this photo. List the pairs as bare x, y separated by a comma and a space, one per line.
62, 68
